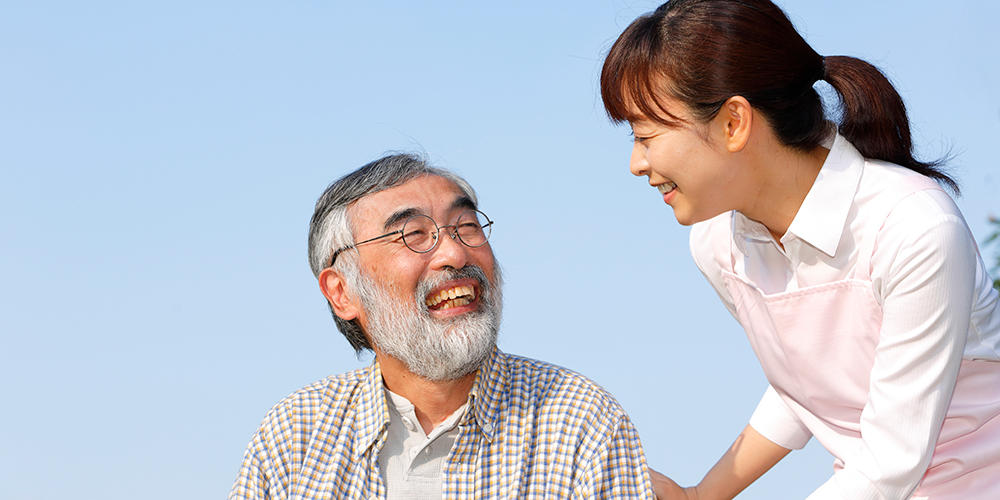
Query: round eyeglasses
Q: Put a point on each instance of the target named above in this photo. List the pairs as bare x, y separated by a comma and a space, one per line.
421, 234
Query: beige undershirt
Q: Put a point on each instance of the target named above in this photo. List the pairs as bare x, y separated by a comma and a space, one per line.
410, 461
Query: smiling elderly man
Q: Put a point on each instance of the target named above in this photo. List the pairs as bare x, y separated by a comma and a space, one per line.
402, 255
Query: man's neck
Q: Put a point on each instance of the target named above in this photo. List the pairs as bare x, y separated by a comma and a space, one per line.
433, 401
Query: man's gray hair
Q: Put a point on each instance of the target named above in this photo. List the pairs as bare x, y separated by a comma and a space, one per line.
330, 228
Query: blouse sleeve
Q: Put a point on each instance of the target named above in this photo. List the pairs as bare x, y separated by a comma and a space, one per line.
923, 272
772, 418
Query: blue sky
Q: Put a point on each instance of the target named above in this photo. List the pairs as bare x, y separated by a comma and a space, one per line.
159, 162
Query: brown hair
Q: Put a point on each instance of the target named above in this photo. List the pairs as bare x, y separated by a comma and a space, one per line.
702, 52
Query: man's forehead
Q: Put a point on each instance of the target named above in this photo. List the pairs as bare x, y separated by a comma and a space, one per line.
425, 194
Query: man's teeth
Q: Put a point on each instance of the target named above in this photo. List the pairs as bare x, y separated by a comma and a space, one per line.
452, 297
666, 187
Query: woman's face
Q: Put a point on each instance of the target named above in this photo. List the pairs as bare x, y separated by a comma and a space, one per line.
688, 164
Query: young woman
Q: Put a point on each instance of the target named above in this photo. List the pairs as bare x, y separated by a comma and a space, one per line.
853, 273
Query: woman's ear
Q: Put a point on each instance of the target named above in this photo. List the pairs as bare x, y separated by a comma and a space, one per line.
334, 288
736, 120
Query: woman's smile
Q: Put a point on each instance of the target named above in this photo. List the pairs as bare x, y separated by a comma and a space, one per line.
666, 187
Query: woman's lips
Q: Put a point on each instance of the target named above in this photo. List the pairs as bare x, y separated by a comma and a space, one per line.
666, 187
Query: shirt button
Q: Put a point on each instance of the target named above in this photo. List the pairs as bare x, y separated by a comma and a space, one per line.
488, 427
427, 450
414, 452
408, 423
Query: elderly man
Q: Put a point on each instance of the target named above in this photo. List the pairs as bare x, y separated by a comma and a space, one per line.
402, 255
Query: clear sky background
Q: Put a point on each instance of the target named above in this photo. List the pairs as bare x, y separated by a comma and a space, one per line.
159, 162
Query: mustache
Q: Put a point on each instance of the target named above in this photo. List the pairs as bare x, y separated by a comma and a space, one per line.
475, 272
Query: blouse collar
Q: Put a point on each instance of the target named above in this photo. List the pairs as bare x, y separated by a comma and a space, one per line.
822, 217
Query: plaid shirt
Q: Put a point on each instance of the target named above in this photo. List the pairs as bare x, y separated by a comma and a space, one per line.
534, 430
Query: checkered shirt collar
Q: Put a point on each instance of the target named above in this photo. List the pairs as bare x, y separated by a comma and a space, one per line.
485, 399
372, 403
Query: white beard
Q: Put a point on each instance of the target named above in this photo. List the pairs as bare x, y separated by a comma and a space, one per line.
433, 349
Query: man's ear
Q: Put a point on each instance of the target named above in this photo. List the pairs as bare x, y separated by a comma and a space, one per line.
334, 288
736, 119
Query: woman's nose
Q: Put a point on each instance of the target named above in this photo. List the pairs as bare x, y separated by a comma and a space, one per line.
637, 163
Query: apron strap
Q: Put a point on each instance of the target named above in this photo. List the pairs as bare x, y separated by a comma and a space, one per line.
883, 205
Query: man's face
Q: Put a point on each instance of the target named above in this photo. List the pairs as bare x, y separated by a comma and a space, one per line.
407, 308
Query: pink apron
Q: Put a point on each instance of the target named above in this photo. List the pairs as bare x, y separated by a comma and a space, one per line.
817, 348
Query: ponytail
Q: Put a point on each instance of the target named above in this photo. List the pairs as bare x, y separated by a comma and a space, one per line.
873, 116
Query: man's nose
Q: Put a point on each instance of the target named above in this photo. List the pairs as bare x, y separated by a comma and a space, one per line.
449, 230
450, 250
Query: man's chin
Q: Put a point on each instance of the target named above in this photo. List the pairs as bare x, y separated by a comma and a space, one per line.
453, 351
432, 345
449, 364
445, 373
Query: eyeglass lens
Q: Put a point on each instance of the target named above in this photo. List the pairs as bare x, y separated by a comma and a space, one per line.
420, 232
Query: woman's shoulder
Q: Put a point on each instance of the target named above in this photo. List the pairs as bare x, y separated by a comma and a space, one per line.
914, 225
704, 235
914, 209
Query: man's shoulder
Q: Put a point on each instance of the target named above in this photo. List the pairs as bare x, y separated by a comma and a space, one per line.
335, 394
549, 384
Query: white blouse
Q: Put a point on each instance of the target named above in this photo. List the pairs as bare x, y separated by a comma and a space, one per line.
938, 303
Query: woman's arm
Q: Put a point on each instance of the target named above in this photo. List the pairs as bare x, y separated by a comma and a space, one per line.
750, 456
923, 273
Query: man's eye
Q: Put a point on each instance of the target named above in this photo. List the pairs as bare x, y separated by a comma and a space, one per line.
414, 234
